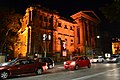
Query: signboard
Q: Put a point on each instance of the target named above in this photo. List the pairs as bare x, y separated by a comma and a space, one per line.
64, 53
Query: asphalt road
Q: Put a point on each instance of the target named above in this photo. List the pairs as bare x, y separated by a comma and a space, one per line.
98, 71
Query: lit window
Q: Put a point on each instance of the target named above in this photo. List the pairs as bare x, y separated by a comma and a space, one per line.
66, 41
44, 37
64, 44
49, 37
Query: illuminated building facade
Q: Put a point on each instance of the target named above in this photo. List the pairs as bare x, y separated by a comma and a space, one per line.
46, 33
115, 45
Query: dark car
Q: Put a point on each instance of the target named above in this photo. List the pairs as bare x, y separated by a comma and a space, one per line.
21, 66
113, 59
48, 60
76, 62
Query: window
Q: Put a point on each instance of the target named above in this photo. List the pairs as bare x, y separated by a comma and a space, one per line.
40, 17
71, 42
65, 27
59, 24
78, 35
51, 19
44, 37
45, 19
71, 28
49, 36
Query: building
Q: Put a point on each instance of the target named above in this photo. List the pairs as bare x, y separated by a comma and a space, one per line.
115, 45
46, 33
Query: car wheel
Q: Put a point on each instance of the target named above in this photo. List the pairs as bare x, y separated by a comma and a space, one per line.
76, 67
102, 61
4, 75
50, 66
97, 61
89, 65
39, 71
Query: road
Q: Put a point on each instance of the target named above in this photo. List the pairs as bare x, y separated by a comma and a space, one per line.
98, 71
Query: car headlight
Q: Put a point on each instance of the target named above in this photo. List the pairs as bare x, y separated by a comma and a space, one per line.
114, 59
72, 63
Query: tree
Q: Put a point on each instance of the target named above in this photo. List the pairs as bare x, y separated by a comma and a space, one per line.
112, 11
9, 25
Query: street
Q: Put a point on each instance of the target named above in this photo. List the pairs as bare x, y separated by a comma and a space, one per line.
98, 71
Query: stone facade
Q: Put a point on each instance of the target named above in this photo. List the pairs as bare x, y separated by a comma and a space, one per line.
47, 33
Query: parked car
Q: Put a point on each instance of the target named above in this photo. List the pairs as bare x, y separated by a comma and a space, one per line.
48, 60
97, 59
113, 59
77, 62
21, 66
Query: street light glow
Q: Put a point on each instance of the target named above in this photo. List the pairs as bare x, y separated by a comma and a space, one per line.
98, 37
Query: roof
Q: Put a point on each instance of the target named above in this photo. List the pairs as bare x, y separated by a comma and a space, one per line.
92, 14
87, 14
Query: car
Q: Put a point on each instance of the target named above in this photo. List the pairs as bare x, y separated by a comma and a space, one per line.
77, 62
97, 59
21, 66
48, 60
113, 59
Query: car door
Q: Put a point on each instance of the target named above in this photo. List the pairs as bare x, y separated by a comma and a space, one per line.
18, 68
80, 62
86, 61
24, 66
31, 66
14, 69
83, 61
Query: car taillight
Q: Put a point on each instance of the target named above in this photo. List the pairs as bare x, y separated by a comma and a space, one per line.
46, 64
64, 63
72, 63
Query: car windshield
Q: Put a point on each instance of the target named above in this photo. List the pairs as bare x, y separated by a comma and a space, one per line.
8, 63
74, 58
4, 64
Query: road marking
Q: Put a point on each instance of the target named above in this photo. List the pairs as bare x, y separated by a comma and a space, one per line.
97, 74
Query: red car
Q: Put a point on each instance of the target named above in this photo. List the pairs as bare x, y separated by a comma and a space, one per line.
76, 62
21, 66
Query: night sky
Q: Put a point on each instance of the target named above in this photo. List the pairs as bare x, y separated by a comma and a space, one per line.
66, 8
